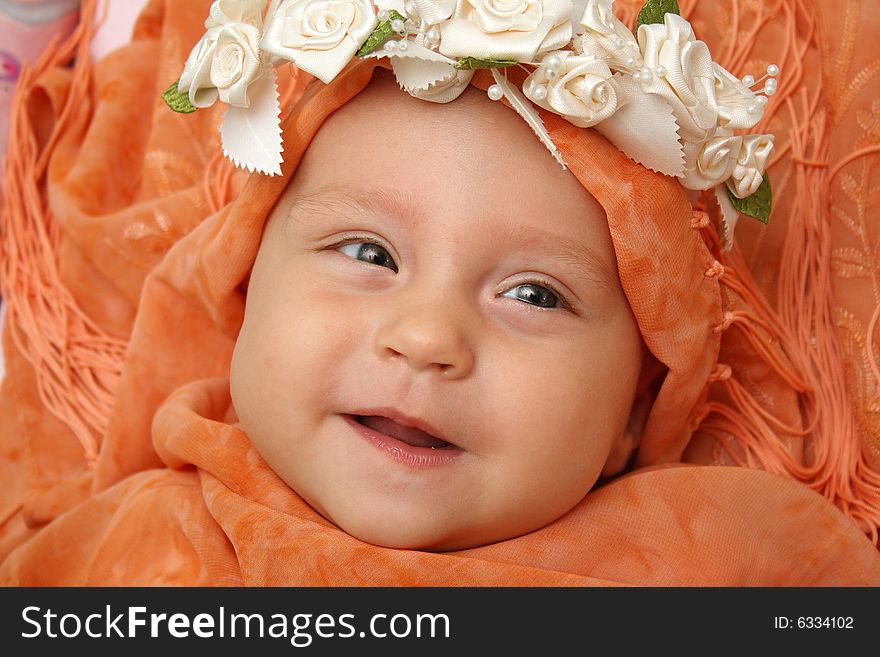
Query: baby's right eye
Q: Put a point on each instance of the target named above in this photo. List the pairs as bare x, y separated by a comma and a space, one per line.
371, 252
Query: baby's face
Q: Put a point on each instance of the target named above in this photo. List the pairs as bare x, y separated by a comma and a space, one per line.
436, 351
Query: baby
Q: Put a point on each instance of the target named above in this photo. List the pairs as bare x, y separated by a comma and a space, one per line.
436, 352
411, 357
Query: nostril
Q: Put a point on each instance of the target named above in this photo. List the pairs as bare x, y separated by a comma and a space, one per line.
393, 353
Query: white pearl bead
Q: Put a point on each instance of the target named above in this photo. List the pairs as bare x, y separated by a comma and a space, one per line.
770, 83
631, 61
769, 90
646, 74
752, 109
495, 92
637, 76
391, 46
397, 25
403, 45
749, 80
619, 42
761, 100
660, 71
433, 34
539, 92
773, 70
551, 72
553, 61
382, 15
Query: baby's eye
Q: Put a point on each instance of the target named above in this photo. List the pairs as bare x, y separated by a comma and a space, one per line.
536, 295
370, 252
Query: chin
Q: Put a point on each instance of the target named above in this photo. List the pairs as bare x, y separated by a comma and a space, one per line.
395, 532
395, 536
409, 536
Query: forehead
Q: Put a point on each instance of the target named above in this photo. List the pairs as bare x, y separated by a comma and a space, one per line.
472, 134
472, 158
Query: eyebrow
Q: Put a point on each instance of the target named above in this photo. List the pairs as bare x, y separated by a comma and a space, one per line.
586, 263
379, 201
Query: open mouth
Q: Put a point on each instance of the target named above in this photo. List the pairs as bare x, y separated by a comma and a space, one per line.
409, 435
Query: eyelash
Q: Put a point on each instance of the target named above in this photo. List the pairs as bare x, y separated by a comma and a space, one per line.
538, 281
564, 305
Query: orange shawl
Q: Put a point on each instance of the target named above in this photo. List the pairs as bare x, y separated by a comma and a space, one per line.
174, 493
232, 521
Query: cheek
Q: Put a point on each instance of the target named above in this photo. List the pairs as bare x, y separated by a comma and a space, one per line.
574, 384
286, 356
564, 410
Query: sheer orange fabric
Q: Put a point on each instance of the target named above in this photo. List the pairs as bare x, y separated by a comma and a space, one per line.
150, 255
224, 524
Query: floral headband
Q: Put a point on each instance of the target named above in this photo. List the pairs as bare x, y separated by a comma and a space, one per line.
658, 97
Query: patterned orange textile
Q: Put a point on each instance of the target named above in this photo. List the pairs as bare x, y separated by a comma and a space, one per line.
174, 493
228, 525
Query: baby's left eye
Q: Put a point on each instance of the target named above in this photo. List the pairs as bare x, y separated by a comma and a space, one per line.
536, 295
370, 252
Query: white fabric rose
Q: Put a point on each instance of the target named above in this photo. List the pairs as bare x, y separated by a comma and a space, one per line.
738, 107
688, 85
223, 12
582, 92
748, 174
506, 29
319, 36
577, 10
430, 12
226, 60
392, 5
711, 162
446, 90
607, 38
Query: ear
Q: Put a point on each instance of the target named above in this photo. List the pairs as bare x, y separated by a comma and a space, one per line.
625, 446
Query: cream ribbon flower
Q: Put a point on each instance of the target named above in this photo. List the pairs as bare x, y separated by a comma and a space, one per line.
711, 162
226, 60
607, 38
506, 29
688, 82
748, 174
738, 106
431, 12
397, 5
446, 90
319, 36
583, 91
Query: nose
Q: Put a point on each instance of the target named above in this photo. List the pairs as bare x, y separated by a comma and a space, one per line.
428, 336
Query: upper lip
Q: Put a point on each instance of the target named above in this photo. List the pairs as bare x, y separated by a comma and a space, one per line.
403, 419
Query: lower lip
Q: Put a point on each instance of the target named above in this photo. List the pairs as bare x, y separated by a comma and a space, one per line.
414, 457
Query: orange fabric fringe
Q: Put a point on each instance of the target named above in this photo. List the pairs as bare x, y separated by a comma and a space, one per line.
78, 365
802, 326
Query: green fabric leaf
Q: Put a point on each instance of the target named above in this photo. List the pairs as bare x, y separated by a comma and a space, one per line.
654, 10
379, 35
177, 101
758, 205
474, 63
